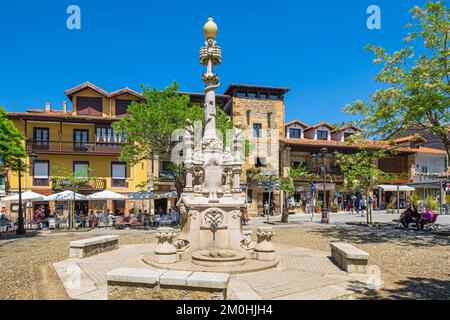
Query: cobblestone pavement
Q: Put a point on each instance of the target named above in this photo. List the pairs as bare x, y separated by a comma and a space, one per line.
414, 265
342, 218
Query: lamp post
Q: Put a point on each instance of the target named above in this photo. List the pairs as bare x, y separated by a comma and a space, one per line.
323, 155
20, 219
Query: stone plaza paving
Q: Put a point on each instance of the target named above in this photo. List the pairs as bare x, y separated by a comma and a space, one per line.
301, 274
414, 265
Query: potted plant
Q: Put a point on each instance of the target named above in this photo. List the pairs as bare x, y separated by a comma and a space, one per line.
318, 206
334, 208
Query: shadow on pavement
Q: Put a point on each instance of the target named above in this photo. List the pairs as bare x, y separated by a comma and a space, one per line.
368, 235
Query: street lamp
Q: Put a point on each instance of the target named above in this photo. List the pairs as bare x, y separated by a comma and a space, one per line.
323, 154
20, 218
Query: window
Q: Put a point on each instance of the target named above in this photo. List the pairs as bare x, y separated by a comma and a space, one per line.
248, 117
81, 168
118, 174
322, 135
80, 139
105, 135
273, 97
257, 130
41, 138
41, 170
2, 185
347, 134
252, 95
89, 106
164, 171
241, 94
269, 120
263, 96
122, 106
295, 133
249, 196
424, 169
260, 162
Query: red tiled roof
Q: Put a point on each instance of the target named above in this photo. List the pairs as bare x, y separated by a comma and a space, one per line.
326, 124
57, 115
83, 86
296, 122
359, 144
410, 138
350, 126
126, 90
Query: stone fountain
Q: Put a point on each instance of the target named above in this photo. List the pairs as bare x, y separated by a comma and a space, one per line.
213, 206
212, 203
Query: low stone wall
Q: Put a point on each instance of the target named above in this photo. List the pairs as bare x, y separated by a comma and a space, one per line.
349, 258
146, 284
89, 247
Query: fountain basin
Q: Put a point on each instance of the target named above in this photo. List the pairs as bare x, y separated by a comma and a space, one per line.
229, 259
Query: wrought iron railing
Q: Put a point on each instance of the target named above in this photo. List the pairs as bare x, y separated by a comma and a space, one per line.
73, 146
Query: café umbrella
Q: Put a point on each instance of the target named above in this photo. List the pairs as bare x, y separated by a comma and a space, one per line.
67, 195
106, 195
26, 196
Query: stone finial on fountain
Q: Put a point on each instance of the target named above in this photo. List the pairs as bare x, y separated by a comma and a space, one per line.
264, 248
165, 250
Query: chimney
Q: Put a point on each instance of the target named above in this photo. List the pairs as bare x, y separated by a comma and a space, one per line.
65, 106
48, 107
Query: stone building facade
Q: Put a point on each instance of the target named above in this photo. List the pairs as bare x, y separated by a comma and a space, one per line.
260, 110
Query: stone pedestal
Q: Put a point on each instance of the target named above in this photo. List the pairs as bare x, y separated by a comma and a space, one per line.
264, 248
165, 251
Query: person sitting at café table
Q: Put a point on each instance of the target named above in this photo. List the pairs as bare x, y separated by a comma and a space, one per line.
38, 218
426, 217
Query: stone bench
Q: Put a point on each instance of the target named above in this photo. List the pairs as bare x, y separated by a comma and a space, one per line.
89, 247
349, 258
147, 284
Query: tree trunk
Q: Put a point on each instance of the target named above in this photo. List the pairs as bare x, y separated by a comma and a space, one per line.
368, 215
285, 213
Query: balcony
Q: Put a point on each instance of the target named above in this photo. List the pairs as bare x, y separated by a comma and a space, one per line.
165, 176
71, 147
119, 183
84, 185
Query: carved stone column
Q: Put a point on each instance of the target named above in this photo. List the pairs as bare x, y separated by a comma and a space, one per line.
264, 248
237, 177
165, 251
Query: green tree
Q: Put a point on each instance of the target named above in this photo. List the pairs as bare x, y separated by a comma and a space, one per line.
11, 146
288, 187
415, 88
150, 124
361, 172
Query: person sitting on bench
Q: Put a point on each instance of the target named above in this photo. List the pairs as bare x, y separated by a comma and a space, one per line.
410, 215
426, 217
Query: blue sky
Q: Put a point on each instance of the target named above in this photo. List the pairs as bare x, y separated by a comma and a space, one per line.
313, 47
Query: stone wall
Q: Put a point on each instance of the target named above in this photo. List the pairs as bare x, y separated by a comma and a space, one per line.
259, 113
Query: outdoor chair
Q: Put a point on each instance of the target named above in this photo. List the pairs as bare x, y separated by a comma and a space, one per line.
156, 220
175, 219
432, 225
166, 220
4, 225
51, 223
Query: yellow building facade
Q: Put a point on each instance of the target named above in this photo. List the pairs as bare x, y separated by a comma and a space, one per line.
72, 141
